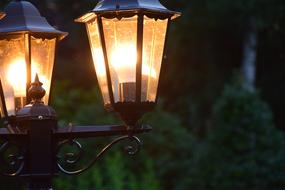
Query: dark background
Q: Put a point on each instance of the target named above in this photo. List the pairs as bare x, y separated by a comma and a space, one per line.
210, 131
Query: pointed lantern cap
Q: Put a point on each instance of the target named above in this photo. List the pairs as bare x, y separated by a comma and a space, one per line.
23, 16
128, 8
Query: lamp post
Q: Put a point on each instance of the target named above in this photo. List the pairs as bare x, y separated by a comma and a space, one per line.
127, 41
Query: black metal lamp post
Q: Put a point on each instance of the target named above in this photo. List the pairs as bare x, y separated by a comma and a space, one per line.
27, 44
127, 40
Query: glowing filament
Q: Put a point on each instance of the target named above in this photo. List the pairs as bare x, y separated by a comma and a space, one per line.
17, 76
124, 61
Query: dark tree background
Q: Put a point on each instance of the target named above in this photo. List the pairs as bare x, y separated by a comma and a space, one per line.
220, 119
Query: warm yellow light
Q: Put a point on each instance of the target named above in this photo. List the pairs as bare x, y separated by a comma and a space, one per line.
147, 71
124, 56
17, 77
124, 60
43, 79
120, 43
100, 64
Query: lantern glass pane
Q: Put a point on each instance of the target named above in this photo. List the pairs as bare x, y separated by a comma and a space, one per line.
121, 44
13, 72
2, 108
98, 59
42, 52
153, 46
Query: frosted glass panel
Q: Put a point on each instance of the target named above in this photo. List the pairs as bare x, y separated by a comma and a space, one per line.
153, 46
98, 59
121, 44
42, 52
13, 73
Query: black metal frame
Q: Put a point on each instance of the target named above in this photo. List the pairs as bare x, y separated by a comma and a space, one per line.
130, 112
58, 138
104, 49
22, 19
33, 133
39, 140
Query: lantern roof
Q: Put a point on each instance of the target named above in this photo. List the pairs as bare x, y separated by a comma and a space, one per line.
114, 5
36, 111
23, 16
127, 8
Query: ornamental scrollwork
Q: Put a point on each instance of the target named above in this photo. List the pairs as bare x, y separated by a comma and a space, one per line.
71, 158
11, 159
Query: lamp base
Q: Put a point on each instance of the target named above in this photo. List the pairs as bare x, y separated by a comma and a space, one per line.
131, 112
127, 91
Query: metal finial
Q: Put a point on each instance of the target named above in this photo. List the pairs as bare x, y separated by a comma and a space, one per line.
37, 80
36, 91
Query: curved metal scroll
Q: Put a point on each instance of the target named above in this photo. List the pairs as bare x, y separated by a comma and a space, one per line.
73, 158
14, 160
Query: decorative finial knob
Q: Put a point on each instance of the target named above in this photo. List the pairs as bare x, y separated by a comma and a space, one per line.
36, 91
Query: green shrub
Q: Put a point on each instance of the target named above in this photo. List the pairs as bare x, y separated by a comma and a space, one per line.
243, 150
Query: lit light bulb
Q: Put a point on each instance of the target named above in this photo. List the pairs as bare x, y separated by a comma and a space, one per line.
17, 77
124, 61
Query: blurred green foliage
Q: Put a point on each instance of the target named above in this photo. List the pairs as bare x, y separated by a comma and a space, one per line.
147, 170
202, 139
242, 150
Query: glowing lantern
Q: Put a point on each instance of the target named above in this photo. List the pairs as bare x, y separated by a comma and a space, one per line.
27, 48
127, 39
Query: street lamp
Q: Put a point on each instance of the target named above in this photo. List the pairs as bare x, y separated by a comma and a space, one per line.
27, 48
127, 40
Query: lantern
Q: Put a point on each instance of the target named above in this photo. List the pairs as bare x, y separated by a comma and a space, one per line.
27, 49
127, 39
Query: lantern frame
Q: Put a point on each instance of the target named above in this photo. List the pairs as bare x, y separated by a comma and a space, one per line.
22, 19
130, 112
38, 143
